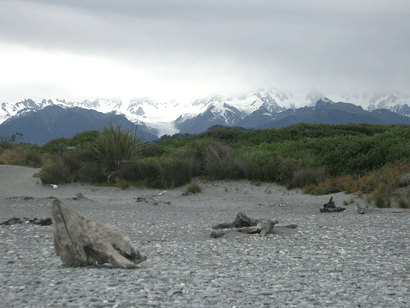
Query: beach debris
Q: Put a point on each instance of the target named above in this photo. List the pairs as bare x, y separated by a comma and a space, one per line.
215, 234
280, 204
330, 207
78, 196
36, 221
359, 209
146, 199
245, 224
20, 198
80, 242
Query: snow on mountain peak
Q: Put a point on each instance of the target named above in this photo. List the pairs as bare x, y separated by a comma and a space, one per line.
162, 115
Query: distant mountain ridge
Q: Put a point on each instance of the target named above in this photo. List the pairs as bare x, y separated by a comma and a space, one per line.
250, 110
328, 112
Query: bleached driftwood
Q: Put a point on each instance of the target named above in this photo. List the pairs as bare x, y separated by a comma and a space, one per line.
80, 242
245, 224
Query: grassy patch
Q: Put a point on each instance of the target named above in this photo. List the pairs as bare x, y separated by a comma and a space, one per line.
193, 188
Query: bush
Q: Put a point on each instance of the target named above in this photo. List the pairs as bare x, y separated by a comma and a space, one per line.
54, 146
57, 173
403, 204
75, 158
307, 176
146, 171
84, 138
90, 172
220, 162
150, 150
34, 159
176, 172
262, 166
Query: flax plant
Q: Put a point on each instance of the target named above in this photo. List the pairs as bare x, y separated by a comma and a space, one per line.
115, 146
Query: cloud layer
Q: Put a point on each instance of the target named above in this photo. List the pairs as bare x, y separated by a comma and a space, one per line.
88, 49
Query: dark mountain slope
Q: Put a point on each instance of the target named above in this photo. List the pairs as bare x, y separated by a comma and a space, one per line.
53, 122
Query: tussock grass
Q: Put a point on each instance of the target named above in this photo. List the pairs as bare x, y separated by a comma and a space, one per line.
193, 188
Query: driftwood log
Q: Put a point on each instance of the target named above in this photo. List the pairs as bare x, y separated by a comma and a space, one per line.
330, 207
80, 242
36, 221
245, 224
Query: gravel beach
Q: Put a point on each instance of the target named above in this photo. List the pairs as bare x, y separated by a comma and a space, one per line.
331, 260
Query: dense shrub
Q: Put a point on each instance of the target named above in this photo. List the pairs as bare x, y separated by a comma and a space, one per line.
54, 146
90, 172
307, 176
150, 150
176, 172
320, 158
84, 138
57, 173
221, 162
33, 159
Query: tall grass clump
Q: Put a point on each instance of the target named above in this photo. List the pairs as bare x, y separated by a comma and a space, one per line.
116, 145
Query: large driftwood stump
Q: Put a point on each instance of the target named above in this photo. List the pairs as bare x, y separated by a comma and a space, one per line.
330, 207
80, 242
245, 224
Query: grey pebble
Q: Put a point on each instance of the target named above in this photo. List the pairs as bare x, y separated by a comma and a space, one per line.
351, 260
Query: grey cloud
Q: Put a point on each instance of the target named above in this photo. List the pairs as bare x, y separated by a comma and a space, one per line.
326, 42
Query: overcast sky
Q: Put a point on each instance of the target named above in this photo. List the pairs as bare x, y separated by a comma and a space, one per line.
84, 49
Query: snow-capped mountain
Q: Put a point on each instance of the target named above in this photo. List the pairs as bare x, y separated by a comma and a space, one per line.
185, 115
218, 112
328, 112
390, 100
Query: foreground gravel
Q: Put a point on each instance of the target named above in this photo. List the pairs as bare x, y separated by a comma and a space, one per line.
331, 260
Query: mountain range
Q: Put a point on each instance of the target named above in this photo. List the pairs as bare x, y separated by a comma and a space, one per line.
262, 109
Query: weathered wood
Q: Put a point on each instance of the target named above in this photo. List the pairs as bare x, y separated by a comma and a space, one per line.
330, 207
80, 242
36, 221
241, 220
146, 199
245, 224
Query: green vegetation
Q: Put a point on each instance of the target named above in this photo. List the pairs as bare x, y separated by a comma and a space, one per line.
321, 159
193, 188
